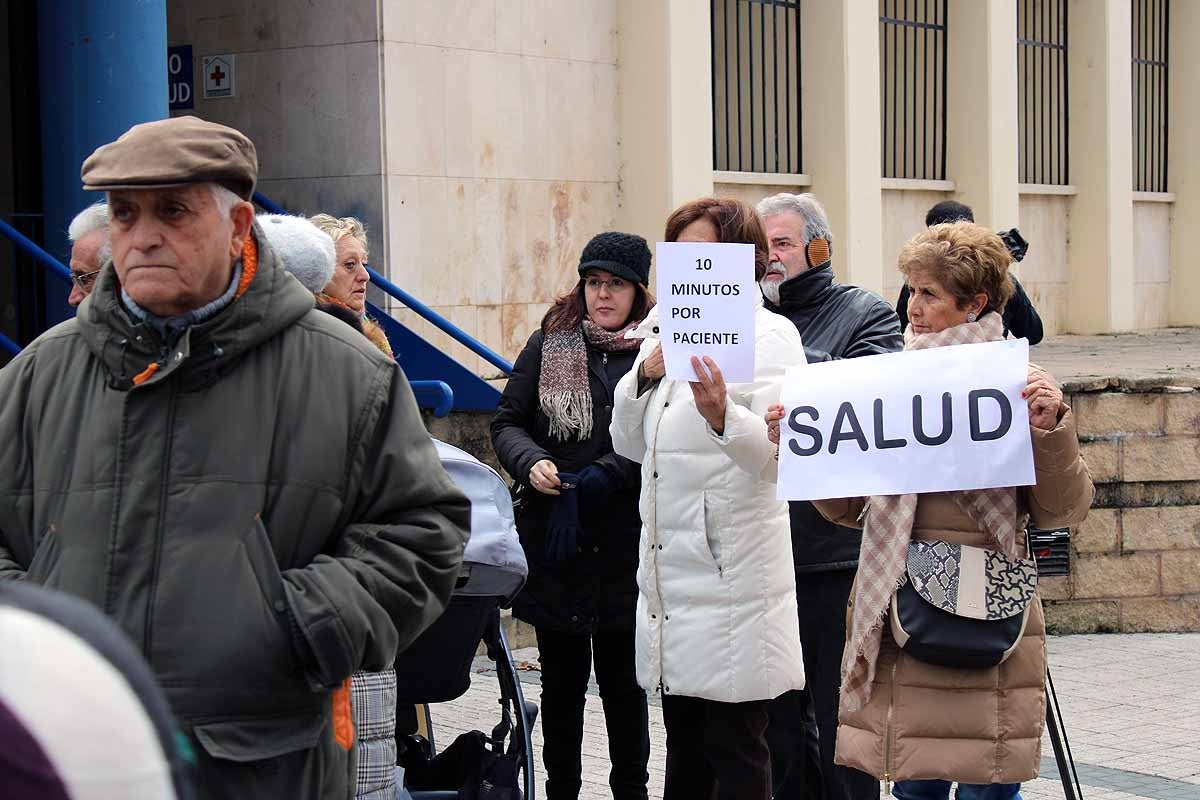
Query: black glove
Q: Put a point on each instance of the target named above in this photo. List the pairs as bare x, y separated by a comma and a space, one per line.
595, 484
562, 529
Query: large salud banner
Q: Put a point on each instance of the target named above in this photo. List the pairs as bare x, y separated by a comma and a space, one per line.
707, 298
942, 419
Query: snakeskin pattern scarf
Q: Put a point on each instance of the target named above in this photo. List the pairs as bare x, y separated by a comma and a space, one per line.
563, 391
887, 529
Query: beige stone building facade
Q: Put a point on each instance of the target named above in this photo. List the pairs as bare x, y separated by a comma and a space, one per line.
484, 141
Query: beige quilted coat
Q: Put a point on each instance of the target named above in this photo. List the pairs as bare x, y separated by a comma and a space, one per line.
968, 725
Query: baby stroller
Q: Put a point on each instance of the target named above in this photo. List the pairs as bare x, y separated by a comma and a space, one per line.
436, 668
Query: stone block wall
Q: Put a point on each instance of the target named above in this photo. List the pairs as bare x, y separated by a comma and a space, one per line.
1136, 559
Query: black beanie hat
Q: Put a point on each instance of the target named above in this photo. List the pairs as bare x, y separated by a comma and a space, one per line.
625, 255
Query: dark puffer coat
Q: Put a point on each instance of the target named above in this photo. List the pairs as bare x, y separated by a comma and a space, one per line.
596, 590
835, 321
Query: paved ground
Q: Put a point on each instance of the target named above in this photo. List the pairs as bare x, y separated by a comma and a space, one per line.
1131, 706
1135, 360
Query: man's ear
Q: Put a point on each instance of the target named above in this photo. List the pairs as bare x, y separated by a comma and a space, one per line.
242, 215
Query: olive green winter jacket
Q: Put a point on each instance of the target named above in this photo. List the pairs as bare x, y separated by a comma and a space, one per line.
263, 513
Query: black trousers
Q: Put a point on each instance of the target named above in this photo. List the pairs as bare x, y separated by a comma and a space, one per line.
716, 751
821, 598
567, 660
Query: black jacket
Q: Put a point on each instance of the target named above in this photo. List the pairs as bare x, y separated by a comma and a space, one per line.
1020, 317
598, 589
835, 321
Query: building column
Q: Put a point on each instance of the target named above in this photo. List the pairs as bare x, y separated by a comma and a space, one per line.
982, 155
103, 69
1183, 168
1100, 265
664, 66
840, 80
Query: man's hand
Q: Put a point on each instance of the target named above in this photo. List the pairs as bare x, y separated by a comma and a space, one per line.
653, 366
709, 393
544, 477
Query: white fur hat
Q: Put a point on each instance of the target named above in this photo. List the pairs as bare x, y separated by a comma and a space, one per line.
305, 250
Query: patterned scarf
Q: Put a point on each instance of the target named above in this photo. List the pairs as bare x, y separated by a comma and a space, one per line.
563, 391
887, 530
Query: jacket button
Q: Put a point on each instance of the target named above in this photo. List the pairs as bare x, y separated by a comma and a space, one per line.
653, 617
596, 549
667, 404
660, 547
574, 618
280, 606
667, 617
666, 690
656, 474
608, 409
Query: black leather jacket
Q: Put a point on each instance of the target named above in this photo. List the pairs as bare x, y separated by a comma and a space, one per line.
835, 321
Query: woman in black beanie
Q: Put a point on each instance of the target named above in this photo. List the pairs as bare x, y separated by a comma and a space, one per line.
578, 511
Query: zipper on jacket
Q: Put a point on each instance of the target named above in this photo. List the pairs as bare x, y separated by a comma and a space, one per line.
162, 510
888, 735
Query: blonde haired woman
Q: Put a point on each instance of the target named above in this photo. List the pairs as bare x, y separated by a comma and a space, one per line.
348, 286
902, 719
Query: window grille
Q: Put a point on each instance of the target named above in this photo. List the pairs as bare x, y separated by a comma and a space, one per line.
1042, 87
912, 103
1149, 31
756, 85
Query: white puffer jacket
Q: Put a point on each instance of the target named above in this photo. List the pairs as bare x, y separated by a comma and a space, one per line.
716, 613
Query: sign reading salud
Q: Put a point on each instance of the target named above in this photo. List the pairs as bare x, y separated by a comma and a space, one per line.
707, 299
936, 420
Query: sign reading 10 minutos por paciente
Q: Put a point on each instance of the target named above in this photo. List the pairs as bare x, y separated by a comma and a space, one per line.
707, 298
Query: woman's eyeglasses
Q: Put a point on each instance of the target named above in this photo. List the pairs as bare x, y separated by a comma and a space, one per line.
613, 284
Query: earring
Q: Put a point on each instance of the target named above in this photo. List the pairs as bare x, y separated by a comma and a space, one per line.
972, 316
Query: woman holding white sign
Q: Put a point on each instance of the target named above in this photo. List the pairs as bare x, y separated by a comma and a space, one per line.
716, 613
943, 676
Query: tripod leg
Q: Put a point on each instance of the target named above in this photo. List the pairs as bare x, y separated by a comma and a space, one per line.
1060, 755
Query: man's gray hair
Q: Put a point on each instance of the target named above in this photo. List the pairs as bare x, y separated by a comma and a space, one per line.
807, 206
92, 219
224, 198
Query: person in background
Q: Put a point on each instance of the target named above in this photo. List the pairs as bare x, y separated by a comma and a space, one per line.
835, 321
90, 250
348, 286
902, 719
578, 512
716, 614
1020, 317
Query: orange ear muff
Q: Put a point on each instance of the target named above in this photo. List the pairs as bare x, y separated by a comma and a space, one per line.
817, 251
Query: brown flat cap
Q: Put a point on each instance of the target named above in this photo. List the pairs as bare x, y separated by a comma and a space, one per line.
174, 152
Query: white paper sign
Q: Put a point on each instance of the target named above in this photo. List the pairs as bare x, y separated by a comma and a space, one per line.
942, 419
706, 304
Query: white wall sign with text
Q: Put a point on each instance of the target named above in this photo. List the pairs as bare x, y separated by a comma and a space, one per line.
943, 419
706, 304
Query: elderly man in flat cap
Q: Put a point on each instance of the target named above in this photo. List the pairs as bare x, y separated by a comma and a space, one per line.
254, 498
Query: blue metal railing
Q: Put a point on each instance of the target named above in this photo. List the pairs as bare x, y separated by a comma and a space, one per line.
438, 394
27, 246
396, 293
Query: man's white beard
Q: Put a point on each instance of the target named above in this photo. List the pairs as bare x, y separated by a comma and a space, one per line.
770, 289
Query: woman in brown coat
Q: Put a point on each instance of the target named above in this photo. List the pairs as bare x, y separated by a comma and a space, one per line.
912, 722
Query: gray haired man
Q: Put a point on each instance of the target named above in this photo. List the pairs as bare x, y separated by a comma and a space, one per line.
90, 248
258, 541
836, 321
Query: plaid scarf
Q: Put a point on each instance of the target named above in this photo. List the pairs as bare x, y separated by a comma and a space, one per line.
563, 391
887, 529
